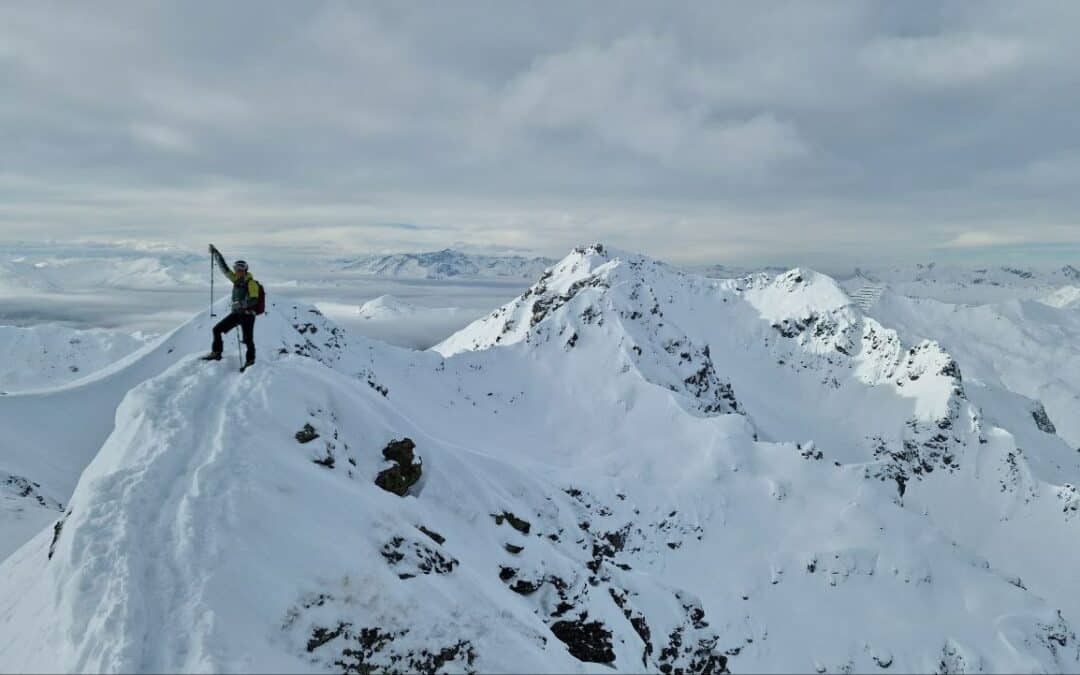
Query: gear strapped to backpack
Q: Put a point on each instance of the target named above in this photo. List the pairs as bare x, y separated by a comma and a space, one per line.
260, 302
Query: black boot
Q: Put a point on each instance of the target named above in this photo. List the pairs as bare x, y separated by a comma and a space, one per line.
212, 356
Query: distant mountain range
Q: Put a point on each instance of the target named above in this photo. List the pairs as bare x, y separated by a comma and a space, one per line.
448, 264
968, 285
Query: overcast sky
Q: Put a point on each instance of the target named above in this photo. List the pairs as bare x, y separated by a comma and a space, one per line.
808, 132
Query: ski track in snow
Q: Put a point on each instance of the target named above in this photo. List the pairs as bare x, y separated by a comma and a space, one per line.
162, 542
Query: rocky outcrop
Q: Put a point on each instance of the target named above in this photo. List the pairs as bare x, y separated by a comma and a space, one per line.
1042, 420
406, 471
18, 487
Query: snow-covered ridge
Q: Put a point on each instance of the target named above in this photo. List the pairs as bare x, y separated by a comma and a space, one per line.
52, 433
627, 465
49, 355
447, 264
668, 324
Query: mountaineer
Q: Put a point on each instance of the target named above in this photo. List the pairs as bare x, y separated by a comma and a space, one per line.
248, 301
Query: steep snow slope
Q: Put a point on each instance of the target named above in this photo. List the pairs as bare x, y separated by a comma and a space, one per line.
627, 466
447, 264
804, 365
51, 435
698, 337
259, 556
1026, 347
49, 355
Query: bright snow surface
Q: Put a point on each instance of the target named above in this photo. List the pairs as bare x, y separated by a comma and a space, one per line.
626, 466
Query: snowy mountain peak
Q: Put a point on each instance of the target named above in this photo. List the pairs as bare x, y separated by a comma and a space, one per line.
385, 306
694, 336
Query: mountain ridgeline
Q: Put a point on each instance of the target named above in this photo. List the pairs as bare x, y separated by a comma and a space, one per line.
626, 467
448, 264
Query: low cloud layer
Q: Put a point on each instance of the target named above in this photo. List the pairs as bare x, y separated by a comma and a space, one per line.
804, 132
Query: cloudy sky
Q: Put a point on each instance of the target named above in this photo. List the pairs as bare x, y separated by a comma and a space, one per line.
806, 132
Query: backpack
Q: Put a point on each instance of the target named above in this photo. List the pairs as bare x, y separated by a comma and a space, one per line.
260, 303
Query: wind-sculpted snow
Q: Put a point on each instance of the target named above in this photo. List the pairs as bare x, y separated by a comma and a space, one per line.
627, 467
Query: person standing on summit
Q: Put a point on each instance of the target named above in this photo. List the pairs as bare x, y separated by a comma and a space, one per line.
246, 303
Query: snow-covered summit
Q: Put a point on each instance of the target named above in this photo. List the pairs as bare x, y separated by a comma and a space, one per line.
386, 307
52, 433
708, 341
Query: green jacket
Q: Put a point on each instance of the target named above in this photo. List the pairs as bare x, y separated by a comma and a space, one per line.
245, 292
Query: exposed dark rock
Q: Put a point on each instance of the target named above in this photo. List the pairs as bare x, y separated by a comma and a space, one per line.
511, 548
1042, 420
57, 529
519, 524
373, 650
405, 472
307, 434
24, 488
637, 620
321, 636
435, 536
400, 451
378, 387
883, 661
524, 587
588, 641
411, 558
546, 304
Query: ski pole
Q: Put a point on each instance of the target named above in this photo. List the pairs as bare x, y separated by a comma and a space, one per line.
238, 356
212, 285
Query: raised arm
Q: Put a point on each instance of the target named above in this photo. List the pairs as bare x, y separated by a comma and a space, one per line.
221, 263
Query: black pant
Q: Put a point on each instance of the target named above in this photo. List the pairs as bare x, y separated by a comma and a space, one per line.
246, 321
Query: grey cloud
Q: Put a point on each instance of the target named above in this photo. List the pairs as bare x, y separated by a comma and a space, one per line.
798, 131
